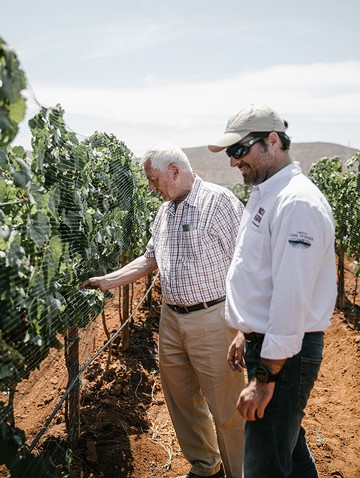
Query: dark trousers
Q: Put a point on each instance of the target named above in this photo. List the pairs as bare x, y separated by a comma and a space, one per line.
275, 446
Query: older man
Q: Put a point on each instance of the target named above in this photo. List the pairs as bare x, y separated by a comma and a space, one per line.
193, 240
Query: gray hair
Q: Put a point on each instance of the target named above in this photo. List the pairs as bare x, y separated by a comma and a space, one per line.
164, 154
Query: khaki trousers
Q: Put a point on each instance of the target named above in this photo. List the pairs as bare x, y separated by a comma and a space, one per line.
197, 383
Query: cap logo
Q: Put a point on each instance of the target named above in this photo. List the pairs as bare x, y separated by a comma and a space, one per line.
230, 123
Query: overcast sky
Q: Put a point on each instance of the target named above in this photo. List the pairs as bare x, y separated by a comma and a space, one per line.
175, 70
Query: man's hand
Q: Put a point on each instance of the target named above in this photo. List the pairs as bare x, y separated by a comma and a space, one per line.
254, 399
95, 283
235, 355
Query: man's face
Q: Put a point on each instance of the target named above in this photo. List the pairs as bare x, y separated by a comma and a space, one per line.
159, 181
256, 165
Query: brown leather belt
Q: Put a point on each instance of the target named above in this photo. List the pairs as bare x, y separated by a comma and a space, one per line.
254, 337
186, 309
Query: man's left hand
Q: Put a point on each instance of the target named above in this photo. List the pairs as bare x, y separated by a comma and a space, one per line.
254, 399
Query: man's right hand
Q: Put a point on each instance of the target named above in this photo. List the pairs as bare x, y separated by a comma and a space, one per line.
94, 283
235, 355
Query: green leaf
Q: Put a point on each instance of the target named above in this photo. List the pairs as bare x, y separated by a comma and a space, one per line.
6, 370
54, 200
11, 439
51, 260
55, 246
3, 190
38, 228
71, 219
4, 232
17, 110
3, 157
23, 176
5, 124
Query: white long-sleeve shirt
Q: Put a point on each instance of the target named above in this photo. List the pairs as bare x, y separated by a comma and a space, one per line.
282, 279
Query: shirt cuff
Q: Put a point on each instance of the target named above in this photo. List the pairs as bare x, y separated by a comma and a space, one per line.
279, 347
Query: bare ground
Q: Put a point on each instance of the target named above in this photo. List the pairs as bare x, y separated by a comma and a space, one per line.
125, 428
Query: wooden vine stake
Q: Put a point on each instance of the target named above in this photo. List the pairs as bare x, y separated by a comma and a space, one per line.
125, 333
107, 333
72, 411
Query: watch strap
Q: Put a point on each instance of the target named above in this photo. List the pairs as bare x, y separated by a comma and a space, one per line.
263, 374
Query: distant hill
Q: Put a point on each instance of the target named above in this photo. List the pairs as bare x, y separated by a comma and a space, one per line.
215, 167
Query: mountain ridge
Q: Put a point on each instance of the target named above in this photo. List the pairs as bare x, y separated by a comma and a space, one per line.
215, 167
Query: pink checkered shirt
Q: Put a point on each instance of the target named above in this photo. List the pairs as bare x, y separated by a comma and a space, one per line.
193, 244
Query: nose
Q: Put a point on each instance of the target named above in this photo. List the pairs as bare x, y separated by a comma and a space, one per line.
152, 188
234, 162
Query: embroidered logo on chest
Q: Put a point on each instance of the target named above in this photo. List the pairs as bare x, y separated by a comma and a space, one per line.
258, 217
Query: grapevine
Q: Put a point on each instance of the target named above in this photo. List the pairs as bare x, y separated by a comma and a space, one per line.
67, 210
341, 188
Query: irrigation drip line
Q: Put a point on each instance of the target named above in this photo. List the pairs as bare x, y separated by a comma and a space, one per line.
84, 367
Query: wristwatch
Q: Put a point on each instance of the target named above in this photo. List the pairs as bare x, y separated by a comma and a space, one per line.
263, 374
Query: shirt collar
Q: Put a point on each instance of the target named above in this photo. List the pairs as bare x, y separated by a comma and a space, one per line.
279, 179
191, 199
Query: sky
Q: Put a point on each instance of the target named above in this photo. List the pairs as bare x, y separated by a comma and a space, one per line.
151, 71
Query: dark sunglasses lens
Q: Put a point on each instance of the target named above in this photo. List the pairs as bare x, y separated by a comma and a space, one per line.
236, 151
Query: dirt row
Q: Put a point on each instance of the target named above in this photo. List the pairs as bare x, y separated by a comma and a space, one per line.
125, 428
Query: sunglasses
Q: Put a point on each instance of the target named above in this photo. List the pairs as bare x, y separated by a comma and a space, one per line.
239, 150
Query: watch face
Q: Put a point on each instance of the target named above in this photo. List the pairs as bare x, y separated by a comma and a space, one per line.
261, 374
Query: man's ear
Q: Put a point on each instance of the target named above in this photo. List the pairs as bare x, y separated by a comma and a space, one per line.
274, 140
174, 170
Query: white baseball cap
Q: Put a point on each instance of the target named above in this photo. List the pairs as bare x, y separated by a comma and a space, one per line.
254, 118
